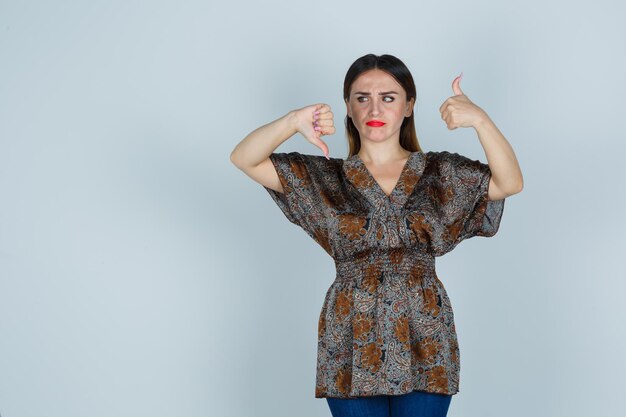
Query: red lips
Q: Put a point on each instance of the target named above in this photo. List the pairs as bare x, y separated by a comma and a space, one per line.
375, 123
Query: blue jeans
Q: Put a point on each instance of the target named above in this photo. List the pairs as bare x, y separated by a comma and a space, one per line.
413, 404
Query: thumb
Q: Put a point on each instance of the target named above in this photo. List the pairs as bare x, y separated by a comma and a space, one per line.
322, 145
316, 139
456, 85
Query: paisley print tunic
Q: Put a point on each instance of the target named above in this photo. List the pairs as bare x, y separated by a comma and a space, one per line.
386, 325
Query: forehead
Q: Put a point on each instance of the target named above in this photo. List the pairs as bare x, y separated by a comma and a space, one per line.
376, 80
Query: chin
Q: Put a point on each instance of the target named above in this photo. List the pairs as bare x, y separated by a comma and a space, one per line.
374, 139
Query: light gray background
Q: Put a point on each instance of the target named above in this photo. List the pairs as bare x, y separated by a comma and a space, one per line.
142, 274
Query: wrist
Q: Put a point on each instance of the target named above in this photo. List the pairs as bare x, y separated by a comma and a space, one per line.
291, 120
482, 122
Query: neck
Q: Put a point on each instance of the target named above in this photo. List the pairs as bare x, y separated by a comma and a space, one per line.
381, 154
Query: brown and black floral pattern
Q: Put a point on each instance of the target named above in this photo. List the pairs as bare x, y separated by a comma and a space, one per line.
386, 324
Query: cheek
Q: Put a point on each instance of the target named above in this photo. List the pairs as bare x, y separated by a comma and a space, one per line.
397, 114
359, 111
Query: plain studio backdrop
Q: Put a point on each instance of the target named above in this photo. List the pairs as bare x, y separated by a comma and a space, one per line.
142, 274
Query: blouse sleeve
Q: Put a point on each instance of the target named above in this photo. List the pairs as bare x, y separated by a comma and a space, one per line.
301, 200
466, 210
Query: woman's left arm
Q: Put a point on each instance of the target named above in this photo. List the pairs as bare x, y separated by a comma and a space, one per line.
506, 175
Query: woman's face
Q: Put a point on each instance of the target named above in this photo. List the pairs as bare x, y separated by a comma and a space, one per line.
377, 105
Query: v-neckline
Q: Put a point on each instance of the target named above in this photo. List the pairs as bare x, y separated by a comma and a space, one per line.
400, 178
357, 174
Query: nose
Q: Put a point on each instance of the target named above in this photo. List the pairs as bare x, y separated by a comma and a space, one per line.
375, 108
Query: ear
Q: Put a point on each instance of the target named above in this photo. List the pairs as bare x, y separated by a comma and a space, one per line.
409, 107
348, 109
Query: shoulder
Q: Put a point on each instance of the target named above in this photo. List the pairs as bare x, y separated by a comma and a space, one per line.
306, 164
446, 157
311, 160
451, 163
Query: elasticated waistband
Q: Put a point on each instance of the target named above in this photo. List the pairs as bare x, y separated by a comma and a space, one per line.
399, 261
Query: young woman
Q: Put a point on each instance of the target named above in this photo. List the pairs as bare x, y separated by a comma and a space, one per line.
387, 344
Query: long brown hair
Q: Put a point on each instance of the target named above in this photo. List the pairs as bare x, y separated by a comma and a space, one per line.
396, 68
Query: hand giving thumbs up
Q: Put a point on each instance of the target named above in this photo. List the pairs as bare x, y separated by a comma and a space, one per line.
459, 111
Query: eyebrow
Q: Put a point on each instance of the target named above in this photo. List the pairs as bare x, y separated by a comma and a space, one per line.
381, 94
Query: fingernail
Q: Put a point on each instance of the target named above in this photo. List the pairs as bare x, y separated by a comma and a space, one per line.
317, 112
326, 155
318, 128
461, 76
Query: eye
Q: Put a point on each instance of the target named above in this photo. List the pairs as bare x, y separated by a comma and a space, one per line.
388, 97
361, 99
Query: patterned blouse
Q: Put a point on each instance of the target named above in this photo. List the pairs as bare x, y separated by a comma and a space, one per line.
386, 325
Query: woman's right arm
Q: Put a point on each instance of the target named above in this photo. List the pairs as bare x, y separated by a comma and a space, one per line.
251, 155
